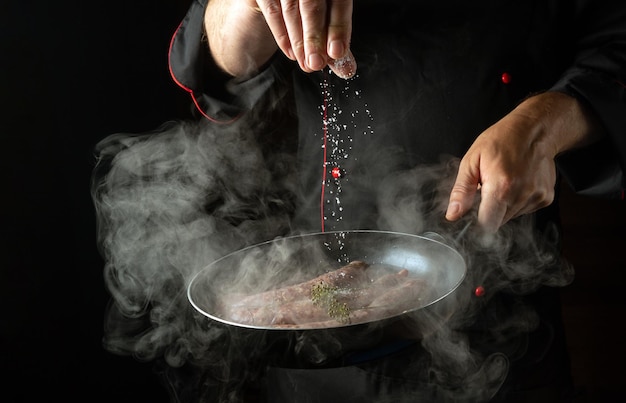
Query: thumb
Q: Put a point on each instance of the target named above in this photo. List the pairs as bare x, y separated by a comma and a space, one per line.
463, 192
344, 67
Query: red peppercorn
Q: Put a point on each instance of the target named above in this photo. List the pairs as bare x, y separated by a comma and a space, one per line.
506, 78
479, 291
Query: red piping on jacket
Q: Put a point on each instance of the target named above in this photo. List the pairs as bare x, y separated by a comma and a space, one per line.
325, 135
189, 90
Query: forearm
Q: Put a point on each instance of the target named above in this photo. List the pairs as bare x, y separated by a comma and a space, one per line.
238, 36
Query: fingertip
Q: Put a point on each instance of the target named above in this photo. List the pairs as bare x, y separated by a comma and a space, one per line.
453, 212
315, 62
336, 49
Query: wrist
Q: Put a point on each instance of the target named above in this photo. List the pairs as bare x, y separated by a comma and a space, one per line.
561, 121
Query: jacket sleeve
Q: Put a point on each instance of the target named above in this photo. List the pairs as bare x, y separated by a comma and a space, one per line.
215, 95
597, 77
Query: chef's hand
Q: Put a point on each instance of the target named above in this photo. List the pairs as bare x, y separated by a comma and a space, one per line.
512, 162
315, 33
244, 34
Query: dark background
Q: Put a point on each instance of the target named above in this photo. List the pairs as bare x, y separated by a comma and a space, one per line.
75, 72
72, 73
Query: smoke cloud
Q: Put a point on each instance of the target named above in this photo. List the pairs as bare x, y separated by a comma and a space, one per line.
168, 203
174, 200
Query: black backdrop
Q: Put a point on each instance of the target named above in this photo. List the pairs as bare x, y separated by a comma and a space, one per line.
72, 72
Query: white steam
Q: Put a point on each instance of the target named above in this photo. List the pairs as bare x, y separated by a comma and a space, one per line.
170, 202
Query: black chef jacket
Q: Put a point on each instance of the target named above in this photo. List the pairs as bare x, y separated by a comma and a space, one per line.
431, 77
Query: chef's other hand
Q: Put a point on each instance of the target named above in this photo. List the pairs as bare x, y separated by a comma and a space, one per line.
315, 33
512, 162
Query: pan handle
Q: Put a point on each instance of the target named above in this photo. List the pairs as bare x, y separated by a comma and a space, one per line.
462, 232
479, 289
435, 236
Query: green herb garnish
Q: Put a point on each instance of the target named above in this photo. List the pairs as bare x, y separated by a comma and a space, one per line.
325, 296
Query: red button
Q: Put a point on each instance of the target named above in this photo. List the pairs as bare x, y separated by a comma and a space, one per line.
506, 78
336, 172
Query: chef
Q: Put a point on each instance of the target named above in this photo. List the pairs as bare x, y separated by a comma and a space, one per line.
519, 93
